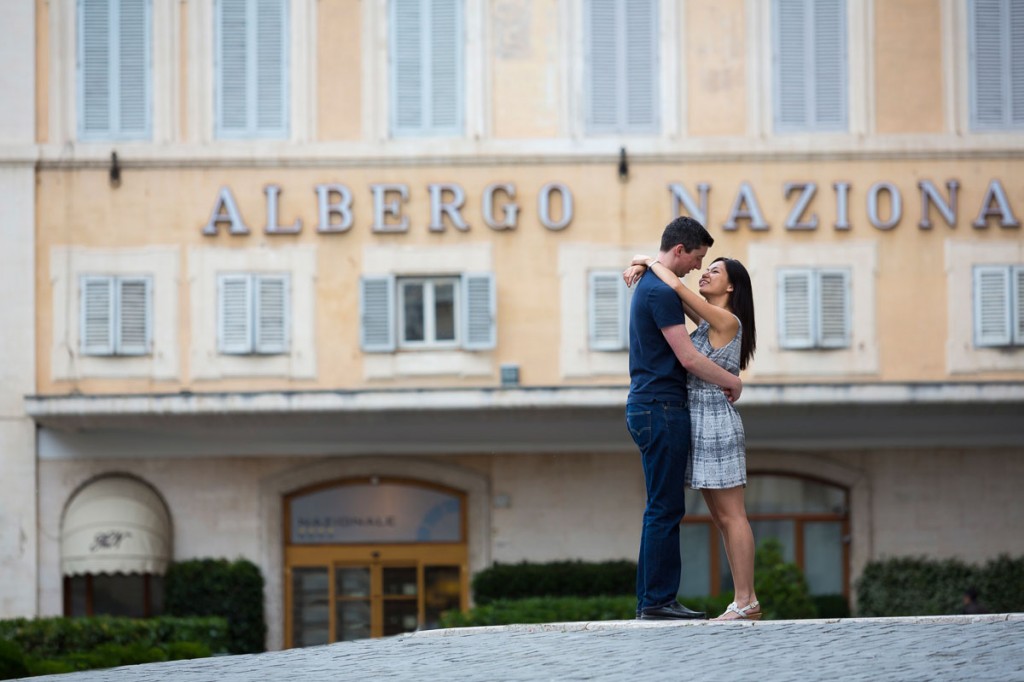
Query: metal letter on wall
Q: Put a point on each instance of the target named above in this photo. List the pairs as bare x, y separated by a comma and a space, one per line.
682, 198
272, 227
842, 205
746, 197
383, 208
930, 195
544, 206
509, 211
807, 191
226, 211
438, 206
326, 209
996, 193
896, 205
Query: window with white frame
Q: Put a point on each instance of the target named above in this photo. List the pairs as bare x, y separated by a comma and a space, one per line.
116, 315
996, 47
253, 313
251, 39
114, 69
810, 65
427, 72
998, 305
608, 311
814, 308
443, 312
621, 68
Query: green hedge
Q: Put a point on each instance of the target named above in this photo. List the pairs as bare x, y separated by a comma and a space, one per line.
555, 579
49, 646
218, 587
918, 586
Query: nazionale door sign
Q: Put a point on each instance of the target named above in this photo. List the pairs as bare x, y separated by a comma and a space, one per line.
500, 209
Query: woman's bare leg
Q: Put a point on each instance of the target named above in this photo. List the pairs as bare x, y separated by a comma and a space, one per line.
730, 515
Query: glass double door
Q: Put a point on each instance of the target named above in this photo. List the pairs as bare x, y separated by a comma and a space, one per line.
377, 594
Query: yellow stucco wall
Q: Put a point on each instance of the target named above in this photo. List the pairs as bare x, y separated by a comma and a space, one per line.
339, 30
715, 53
909, 90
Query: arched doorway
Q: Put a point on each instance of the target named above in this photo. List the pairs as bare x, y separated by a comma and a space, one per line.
372, 557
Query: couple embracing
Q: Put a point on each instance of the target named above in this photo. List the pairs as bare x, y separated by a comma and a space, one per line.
680, 412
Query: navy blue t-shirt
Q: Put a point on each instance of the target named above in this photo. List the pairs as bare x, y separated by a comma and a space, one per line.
654, 371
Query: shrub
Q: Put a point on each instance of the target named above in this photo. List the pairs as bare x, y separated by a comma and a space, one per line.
554, 579
217, 587
544, 610
918, 586
831, 605
780, 586
179, 651
12, 661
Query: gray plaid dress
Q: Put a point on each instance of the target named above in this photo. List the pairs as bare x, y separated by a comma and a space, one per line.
718, 453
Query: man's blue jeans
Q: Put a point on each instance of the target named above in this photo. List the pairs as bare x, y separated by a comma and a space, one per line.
662, 432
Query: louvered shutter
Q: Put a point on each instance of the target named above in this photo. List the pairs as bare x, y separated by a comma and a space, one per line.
988, 63
134, 315
114, 67
796, 296
833, 308
1016, 29
234, 314
603, 59
377, 313
252, 68
992, 323
479, 325
810, 65
271, 315
607, 293
426, 67
641, 60
445, 69
1018, 307
407, 111
96, 328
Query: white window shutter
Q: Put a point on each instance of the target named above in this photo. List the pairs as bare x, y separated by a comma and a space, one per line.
407, 78
603, 61
640, 95
608, 315
272, 313
94, 73
830, 81
446, 43
271, 61
377, 313
134, 68
234, 314
992, 306
1018, 307
988, 63
834, 308
790, 59
480, 330
96, 327
134, 315
796, 297
1016, 29
232, 69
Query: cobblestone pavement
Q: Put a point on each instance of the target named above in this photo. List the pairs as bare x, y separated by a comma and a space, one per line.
939, 648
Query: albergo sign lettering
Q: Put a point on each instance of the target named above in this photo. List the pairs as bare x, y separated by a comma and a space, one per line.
500, 208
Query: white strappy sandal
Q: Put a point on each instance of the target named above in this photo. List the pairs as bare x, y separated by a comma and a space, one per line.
746, 613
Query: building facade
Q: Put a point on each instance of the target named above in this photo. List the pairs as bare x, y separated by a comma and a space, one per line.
334, 286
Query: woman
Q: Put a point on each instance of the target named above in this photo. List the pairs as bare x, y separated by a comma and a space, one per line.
725, 333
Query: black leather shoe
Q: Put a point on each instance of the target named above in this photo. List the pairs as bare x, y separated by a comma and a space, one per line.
673, 611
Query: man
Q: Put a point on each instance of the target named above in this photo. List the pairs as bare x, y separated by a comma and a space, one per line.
660, 355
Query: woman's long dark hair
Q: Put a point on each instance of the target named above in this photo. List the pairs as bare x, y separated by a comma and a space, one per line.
741, 300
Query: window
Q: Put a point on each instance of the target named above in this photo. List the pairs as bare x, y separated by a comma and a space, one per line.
428, 312
999, 305
814, 308
621, 66
251, 48
135, 595
809, 518
116, 315
426, 67
810, 65
609, 311
996, 38
253, 314
114, 69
